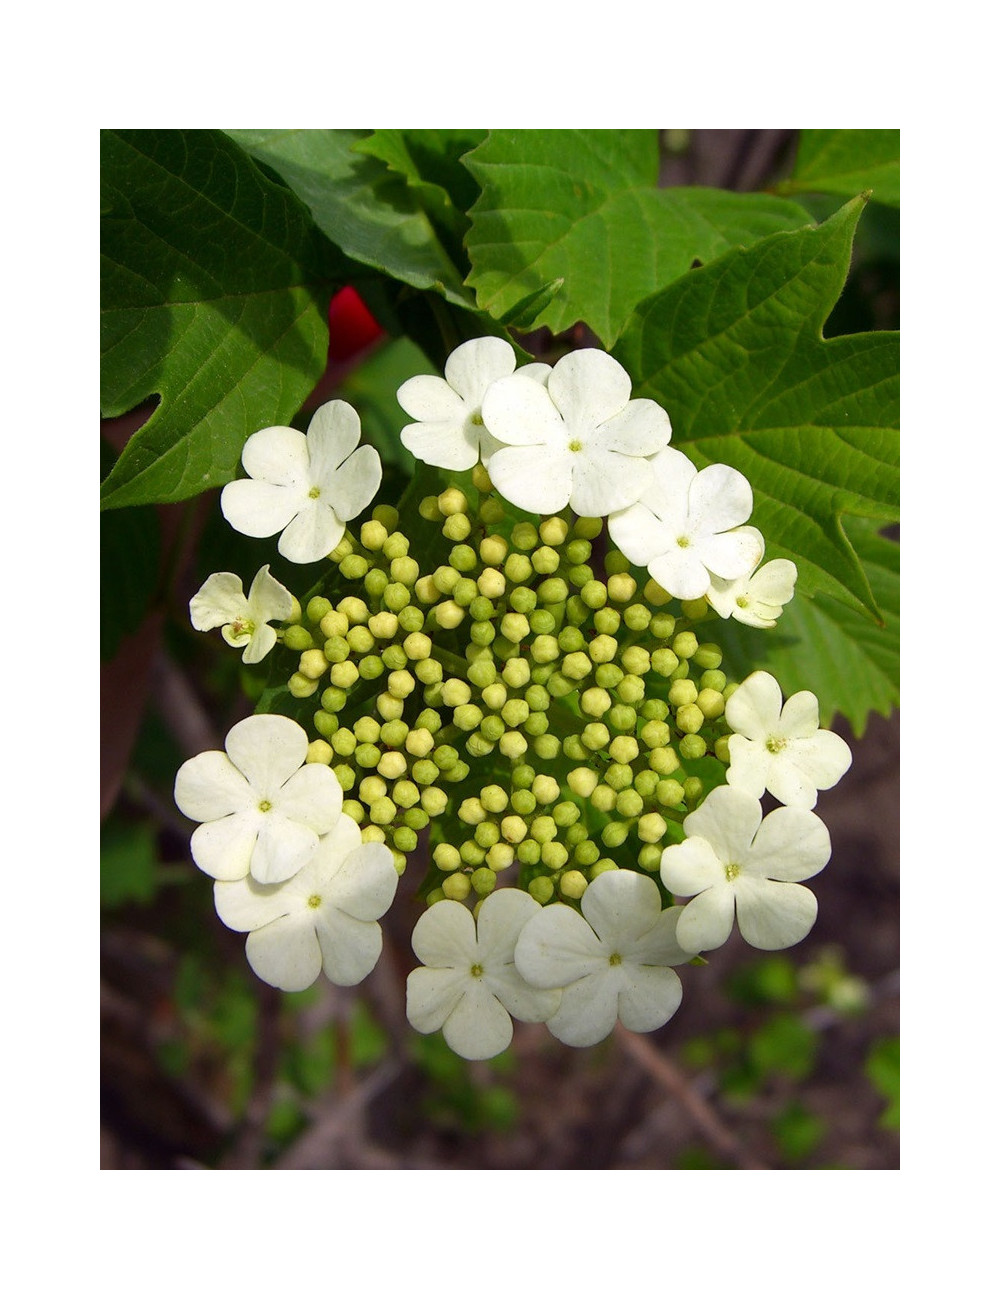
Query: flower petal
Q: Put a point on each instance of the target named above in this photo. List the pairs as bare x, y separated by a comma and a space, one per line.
773, 915
800, 715
311, 534
823, 758
520, 999
501, 919
719, 498
350, 947
538, 479
730, 555
474, 365
209, 786
432, 994
660, 946
589, 1008
670, 477
479, 1027
429, 399
334, 431
267, 748
268, 599
449, 444
640, 534
259, 509
286, 953
219, 600
277, 455
556, 947
728, 819
774, 582
691, 866
355, 483
681, 572
589, 386
366, 882
445, 935
707, 921
283, 847
247, 905
621, 906
754, 708
224, 849
519, 412
260, 644
750, 766
641, 429
792, 844
605, 481
649, 997
313, 796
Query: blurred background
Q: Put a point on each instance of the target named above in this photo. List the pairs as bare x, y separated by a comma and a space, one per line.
787, 1060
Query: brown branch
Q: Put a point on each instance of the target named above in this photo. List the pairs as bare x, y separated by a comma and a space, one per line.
660, 1068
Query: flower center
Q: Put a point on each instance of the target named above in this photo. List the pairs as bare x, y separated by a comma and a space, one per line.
732, 870
314, 493
775, 744
742, 602
684, 542
242, 627
615, 959
314, 900
476, 970
476, 417
264, 805
576, 445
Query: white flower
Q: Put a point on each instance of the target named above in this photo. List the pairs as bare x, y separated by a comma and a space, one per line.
449, 431
615, 964
577, 441
261, 810
683, 529
324, 918
304, 485
468, 985
781, 749
758, 598
244, 619
733, 861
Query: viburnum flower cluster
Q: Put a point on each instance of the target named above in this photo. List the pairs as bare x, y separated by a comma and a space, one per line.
508, 680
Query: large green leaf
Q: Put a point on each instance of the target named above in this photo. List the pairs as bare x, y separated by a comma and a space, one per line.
366, 210
847, 163
582, 207
734, 351
214, 297
819, 645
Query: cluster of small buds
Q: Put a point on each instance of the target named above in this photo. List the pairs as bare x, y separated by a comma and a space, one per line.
527, 694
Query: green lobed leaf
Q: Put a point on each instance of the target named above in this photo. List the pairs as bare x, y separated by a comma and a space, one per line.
849, 663
584, 207
365, 209
734, 352
214, 298
847, 163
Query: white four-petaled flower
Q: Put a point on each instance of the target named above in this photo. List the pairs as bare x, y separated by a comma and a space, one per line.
304, 485
449, 431
468, 984
758, 598
735, 863
685, 526
781, 749
577, 441
612, 963
261, 810
244, 620
324, 918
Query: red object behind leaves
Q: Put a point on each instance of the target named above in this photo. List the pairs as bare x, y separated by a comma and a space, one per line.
352, 326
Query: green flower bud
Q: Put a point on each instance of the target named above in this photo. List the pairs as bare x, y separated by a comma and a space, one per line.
574, 749
628, 803
344, 675
515, 627
372, 788
690, 719
515, 713
491, 511
395, 545
456, 887
487, 834
655, 734
370, 667
319, 751
448, 614
608, 676
389, 706
622, 717
333, 623
367, 755
621, 587
566, 814
576, 611
572, 884
482, 633
516, 673
346, 775
635, 660
298, 638
343, 548
373, 535
382, 811
355, 609
546, 747
618, 776
361, 640
355, 810
401, 684
517, 568
582, 781
652, 828
544, 649
493, 552
491, 729
554, 855
435, 896
484, 881
692, 745
553, 531
637, 617
682, 692
553, 591
614, 834
576, 666
685, 645
630, 691
663, 760
603, 798
499, 857
394, 657
472, 811
301, 686
472, 854
524, 537
711, 703
425, 771
404, 793
662, 626
721, 749
670, 794
433, 800
594, 594
482, 673
541, 889
545, 560
446, 857
545, 789
624, 749
317, 609
522, 802
354, 567
693, 790
586, 853
468, 717
513, 829
707, 655
595, 735
464, 592
416, 818
392, 765
376, 581
654, 594
325, 723
663, 661
453, 502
